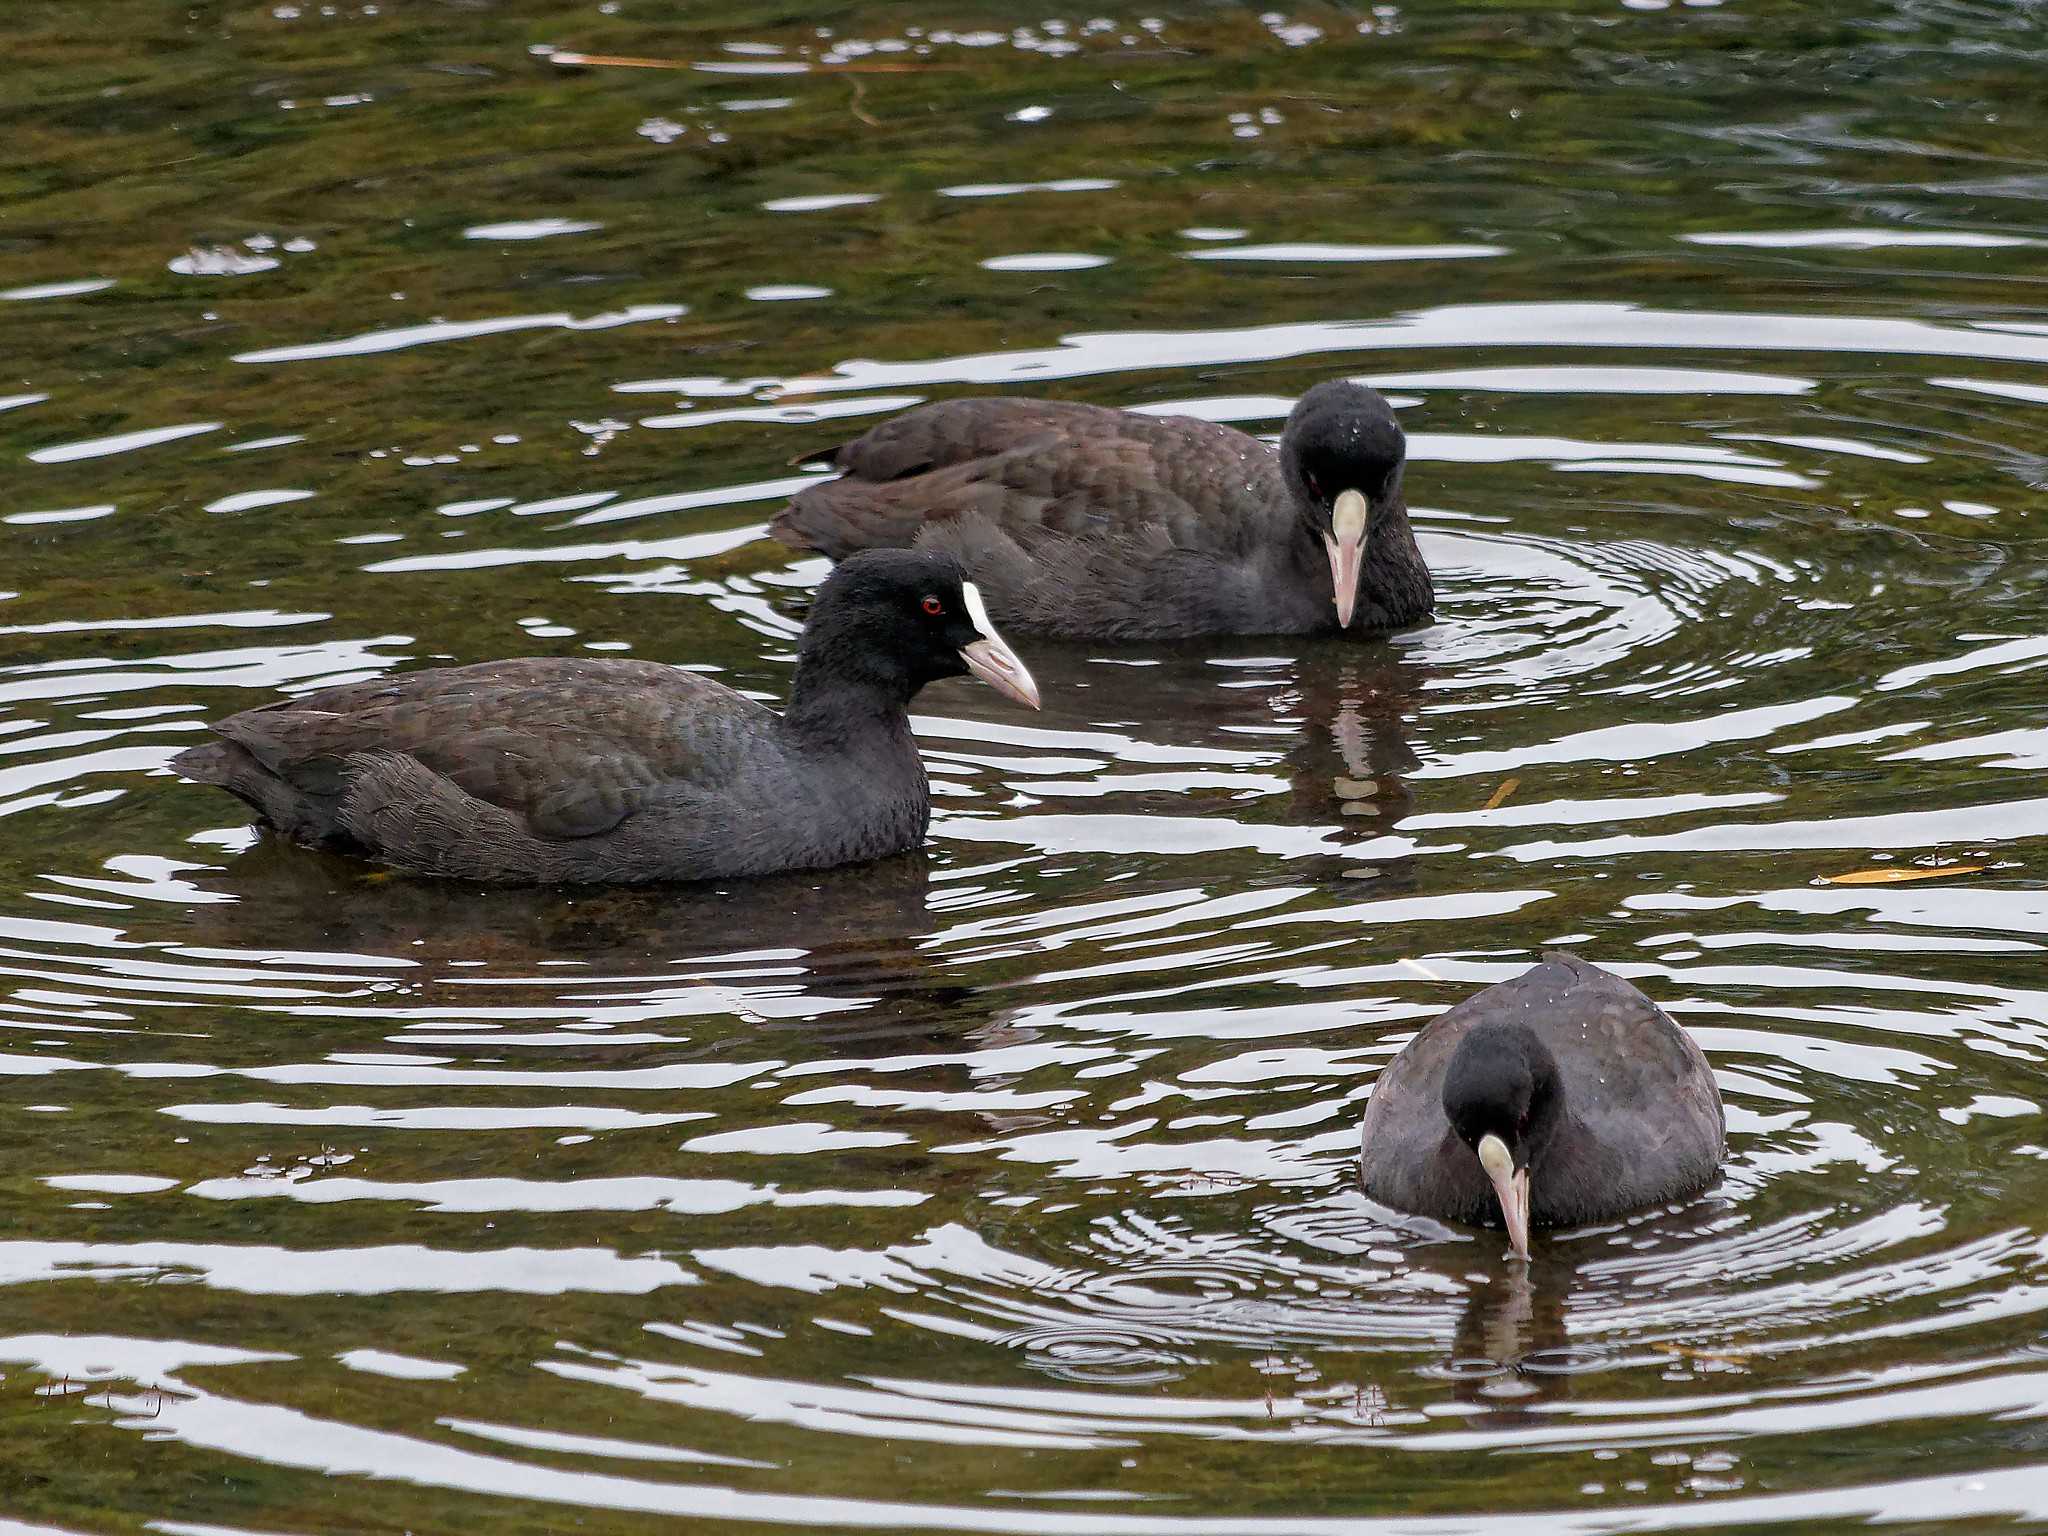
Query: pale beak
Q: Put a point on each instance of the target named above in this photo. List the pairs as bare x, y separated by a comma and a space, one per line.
990, 659
1346, 544
1510, 1187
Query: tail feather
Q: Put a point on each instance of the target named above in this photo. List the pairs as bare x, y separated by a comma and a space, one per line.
311, 818
384, 805
207, 763
829, 457
841, 516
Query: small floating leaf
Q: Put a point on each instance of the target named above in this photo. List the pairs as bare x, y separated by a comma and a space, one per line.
1500, 796
1897, 876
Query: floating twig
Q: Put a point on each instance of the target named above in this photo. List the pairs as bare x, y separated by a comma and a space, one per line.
859, 111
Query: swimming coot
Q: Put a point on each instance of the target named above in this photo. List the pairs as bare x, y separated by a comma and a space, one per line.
1563, 1096
558, 769
1078, 520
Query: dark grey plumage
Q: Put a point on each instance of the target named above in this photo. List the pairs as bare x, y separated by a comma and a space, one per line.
1634, 1116
1082, 521
557, 769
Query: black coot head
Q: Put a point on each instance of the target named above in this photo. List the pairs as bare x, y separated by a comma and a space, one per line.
1342, 452
898, 619
1503, 1098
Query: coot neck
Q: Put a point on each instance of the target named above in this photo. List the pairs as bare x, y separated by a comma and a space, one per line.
1395, 588
1551, 1131
1574, 1175
832, 704
846, 738
1396, 578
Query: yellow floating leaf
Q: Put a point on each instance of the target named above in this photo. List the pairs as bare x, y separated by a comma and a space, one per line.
1898, 876
1500, 796
1729, 1356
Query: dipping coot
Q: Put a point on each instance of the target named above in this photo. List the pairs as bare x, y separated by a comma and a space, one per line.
547, 769
1082, 521
1563, 1096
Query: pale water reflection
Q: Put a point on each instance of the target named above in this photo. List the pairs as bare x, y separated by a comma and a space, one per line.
1009, 1186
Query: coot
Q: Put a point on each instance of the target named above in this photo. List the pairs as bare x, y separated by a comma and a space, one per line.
1561, 1097
558, 769
1082, 521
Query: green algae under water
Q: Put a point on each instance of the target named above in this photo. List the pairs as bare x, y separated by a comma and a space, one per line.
1009, 1188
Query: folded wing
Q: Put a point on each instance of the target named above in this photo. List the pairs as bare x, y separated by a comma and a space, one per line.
539, 749
1073, 519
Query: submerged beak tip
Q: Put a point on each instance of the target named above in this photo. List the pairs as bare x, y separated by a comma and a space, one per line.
1518, 1222
1511, 1188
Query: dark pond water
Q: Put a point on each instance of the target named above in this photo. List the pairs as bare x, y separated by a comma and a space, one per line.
1011, 1188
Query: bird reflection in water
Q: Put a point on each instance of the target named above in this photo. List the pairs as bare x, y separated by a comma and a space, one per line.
1339, 716
838, 950
1512, 1350
1357, 739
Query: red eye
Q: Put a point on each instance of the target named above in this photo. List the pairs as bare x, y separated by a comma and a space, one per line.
934, 607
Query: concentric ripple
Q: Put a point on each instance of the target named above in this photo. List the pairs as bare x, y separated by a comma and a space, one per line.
1010, 1186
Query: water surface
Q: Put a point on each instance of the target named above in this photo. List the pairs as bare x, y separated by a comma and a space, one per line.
1010, 1187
